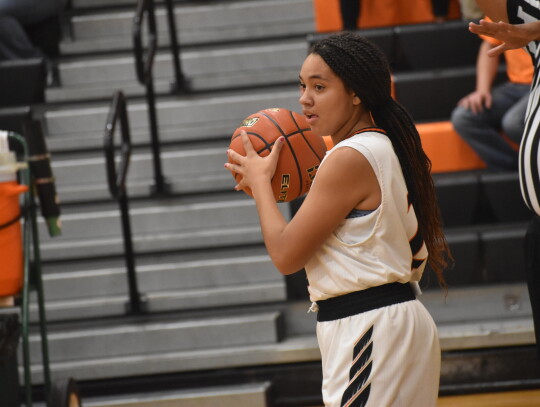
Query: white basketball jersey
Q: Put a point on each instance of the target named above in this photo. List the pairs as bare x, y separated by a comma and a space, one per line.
381, 247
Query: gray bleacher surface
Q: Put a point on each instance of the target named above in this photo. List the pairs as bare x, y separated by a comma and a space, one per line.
215, 301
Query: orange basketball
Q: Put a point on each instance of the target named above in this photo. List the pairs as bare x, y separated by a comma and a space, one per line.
299, 158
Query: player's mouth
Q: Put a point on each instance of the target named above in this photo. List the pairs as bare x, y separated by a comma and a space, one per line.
311, 118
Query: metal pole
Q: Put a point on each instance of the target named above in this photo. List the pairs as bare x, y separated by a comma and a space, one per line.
180, 85
161, 186
117, 185
134, 295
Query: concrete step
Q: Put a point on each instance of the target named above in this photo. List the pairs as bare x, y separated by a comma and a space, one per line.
181, 285
179, 300
83, 178
473, 317
249, 266
196, 24
89, 4
252, 395
192, 118
275, 62
123, 339
169, 225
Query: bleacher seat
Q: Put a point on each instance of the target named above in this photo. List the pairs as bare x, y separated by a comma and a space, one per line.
13, 118
422, 92
429, 46
22, 82
457, 195
503, 193
446, 149
431, 95
465, 248
383, 37
503, 249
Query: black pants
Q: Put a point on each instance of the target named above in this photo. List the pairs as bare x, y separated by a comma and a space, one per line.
14, 42
440, 7
350, 11
532, 258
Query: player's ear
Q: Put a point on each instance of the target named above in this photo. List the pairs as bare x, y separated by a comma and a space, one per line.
356, 100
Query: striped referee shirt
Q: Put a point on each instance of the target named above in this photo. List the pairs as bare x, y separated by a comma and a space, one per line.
519, 12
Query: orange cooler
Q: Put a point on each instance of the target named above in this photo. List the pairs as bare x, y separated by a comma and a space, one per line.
11, 252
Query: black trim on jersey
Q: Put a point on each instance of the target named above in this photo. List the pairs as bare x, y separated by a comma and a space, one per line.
368, 129
416, 243
357, 392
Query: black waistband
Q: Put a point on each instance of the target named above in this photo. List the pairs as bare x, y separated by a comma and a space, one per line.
363, 301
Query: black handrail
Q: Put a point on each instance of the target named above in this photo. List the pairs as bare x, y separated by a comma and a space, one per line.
117, 186
181, 84
144, 67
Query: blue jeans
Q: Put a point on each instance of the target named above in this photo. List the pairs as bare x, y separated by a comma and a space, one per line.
482, 131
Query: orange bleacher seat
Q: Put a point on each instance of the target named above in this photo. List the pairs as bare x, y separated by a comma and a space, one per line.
379, 13
444, 147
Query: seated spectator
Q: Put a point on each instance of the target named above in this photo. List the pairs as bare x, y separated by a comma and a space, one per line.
483, 116
14, 42
29, 29
29, 12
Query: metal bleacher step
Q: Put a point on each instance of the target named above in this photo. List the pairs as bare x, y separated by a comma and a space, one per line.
220, 278
191, 118
468, 318
104, 341
193, 169
196, 24
221, 67
115, 305
174, 224
252, 395
93, 4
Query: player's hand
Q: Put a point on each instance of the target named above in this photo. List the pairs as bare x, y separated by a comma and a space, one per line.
476, 101
253, 168
512, 36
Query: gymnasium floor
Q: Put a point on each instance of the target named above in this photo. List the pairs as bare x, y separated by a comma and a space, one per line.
523, 398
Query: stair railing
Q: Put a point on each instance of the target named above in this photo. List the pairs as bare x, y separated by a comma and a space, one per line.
144, 63
116, 178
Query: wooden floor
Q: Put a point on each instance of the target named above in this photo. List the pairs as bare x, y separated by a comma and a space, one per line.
523, 398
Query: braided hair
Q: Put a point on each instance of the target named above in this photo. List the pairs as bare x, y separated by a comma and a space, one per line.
364, 69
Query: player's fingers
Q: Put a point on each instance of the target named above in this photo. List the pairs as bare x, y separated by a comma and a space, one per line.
235, 157
234, 168
276, 148
247, 142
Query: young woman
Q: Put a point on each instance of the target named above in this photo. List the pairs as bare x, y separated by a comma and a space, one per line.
363, 232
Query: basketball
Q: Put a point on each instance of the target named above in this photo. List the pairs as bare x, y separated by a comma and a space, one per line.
299, 158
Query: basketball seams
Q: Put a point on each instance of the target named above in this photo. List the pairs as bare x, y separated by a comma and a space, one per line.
297, 159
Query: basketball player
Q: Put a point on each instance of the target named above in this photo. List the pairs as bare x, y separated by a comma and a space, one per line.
363, 232
524, 31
